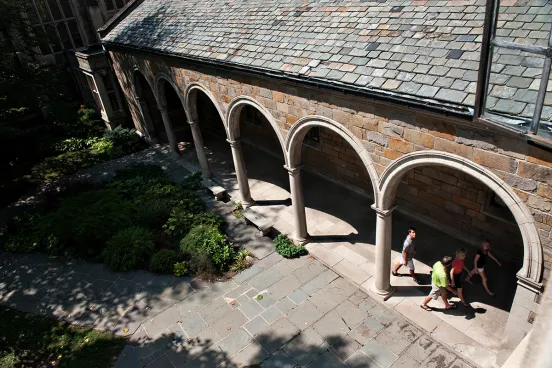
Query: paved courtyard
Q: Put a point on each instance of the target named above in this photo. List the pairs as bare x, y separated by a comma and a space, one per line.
281, 313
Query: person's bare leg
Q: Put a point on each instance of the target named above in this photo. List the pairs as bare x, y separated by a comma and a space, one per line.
426, 300
397, 266
468, 279
445, 300
461, 296
485, 285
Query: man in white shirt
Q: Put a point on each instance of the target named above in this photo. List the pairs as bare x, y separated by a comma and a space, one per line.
407, 255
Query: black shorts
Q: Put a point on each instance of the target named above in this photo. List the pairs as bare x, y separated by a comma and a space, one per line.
458, 280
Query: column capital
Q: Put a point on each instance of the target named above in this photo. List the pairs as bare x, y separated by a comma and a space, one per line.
192, 122
293, 170
383, 213
234, 143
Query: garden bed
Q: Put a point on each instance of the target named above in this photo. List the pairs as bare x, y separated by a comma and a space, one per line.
27, 340
137, 220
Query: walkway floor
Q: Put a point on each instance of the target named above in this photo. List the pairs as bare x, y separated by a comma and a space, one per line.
342, 226
280, 312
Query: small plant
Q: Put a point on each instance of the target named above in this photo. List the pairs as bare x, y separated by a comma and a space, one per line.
72, 145
128, 249
193, 182
260, 297
164, 261
238, 209
180, 269
240, 263
286, 248
208, 250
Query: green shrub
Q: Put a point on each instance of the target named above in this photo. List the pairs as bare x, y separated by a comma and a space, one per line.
193, 182
180, 269
129, 249
180, 221
72, 145
286, 248
207, 249
125, 139
164, 261
82, 224
152, 213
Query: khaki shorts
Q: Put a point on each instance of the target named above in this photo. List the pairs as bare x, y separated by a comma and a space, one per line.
436, 291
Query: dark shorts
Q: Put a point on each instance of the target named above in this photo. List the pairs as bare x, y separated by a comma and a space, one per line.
458, 280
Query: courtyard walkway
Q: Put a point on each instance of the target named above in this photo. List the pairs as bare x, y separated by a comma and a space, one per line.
342, 228
283, 313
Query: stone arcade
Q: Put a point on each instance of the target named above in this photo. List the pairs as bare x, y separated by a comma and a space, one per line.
396, 125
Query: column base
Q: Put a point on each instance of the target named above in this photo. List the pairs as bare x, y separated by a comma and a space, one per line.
248, 203
206, 175
384, 293
299, 240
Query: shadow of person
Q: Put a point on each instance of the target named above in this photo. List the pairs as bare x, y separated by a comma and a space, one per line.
473, 311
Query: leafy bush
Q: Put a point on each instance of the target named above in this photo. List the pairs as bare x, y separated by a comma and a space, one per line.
164, 261
87, 124
193, 182
104, 147
180, 221
126, 139
207, 249
286, 248
130, 248
82, 224
152, 213
72, 145
180, 269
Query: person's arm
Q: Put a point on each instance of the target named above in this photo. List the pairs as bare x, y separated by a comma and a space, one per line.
452, 276
405, 256
494, 259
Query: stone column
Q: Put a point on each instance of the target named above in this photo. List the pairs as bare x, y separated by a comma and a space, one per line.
170, 133
200, 149
147, 119
382, 285
241, 173
301, 235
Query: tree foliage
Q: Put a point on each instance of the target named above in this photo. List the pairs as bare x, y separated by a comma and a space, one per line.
23, 86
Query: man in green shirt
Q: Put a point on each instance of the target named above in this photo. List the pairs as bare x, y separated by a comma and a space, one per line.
440, 284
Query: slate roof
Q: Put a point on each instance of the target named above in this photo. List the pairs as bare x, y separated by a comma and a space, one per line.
421, 49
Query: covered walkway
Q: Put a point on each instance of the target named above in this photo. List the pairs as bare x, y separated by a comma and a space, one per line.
342, 229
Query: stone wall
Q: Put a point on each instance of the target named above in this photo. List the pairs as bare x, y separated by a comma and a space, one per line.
387, 131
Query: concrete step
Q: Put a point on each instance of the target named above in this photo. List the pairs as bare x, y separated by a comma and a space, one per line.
258, 220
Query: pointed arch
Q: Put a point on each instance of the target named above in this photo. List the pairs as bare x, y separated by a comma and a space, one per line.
296, 135
533, 255
233, 119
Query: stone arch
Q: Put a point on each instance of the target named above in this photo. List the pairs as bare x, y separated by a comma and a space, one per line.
296, 135
533, 255
233, 119
191, 102
137, 86
160, 91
